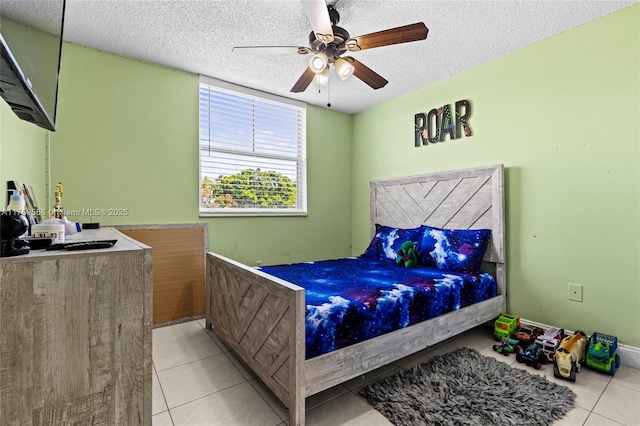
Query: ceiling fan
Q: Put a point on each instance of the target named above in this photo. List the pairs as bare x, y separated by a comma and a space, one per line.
328, 43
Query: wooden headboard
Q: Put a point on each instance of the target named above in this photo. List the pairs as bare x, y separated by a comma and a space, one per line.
456, 199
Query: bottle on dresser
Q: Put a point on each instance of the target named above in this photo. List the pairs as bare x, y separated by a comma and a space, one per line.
13, 225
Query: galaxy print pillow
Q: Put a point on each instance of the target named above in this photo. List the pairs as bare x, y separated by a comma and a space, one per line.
387, 241
457, 250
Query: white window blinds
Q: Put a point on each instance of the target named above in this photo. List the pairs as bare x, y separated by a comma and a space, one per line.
252, 152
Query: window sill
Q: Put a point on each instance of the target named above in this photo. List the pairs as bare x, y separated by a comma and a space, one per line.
252, 213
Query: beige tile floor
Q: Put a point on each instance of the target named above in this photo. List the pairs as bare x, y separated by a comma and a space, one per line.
197, 380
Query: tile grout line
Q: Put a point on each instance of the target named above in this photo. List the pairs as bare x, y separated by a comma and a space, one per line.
623, 385
177, 324
209, 394
353, 391
161, 390
191, 362
199, 333
598, 400
267, 402
241, 364
163, 397
211, 334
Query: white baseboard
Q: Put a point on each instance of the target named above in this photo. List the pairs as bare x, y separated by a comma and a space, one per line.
629, 355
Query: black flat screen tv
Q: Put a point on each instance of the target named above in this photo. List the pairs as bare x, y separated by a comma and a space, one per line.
30, 50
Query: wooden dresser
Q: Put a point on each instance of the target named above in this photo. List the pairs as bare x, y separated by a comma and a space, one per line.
75, 335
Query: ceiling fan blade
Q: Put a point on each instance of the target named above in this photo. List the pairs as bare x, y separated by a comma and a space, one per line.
366, 74
405, 34
318, 15
304, 81
270, 50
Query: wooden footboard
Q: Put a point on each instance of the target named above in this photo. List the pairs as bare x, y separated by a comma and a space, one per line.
261, 318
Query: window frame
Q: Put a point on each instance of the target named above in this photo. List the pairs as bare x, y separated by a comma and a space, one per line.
301, 161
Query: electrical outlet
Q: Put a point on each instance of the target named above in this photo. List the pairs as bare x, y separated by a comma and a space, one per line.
575, 292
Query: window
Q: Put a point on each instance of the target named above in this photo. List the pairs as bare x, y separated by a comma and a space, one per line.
252, 152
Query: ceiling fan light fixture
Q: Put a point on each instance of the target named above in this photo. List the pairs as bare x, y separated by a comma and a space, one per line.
322, 79
318, 62
343, 68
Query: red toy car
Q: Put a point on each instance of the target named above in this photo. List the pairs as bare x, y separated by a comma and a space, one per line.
527, 334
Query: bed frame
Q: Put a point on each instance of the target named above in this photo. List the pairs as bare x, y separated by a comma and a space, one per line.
262, 318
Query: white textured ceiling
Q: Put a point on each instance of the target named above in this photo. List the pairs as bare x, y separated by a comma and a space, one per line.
198, 37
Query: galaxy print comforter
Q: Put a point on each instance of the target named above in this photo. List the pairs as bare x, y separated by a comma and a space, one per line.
355, 299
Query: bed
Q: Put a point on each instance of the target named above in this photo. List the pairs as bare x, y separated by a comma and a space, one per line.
262, 317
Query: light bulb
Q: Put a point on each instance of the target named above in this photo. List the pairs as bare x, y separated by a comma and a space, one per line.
318, 62
343, 68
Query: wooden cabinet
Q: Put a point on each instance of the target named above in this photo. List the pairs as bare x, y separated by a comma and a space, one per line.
75, 335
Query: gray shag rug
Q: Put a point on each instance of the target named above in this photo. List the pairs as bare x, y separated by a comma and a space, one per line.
466, 388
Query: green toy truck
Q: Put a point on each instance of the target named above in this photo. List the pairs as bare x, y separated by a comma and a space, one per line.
601, 353
505, 326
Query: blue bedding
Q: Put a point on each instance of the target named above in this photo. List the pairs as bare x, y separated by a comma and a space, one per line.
355, 299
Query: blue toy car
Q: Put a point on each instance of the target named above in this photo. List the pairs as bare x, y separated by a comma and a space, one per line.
533, 356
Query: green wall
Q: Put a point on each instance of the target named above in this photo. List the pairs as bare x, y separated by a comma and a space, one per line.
23, 149
127, 138
562, 116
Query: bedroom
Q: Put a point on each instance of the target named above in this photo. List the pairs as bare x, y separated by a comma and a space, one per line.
570, 149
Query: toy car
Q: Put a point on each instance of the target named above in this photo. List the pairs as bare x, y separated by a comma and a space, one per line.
569, 356
601, 353
527, 334
505, 326
550, 340
533, 356
507, 346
